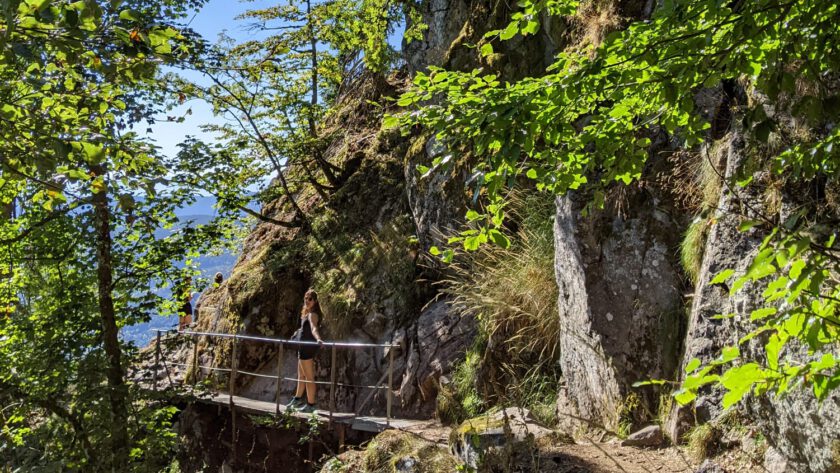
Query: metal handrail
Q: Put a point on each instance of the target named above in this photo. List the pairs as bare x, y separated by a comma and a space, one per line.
281, 343
271, 376
277, 340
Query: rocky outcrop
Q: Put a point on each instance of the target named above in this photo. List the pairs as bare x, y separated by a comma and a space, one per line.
801, 429
620, 308
726, 247
435, 343
503, 441
438, 201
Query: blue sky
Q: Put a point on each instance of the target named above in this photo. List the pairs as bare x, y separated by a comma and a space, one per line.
215, 17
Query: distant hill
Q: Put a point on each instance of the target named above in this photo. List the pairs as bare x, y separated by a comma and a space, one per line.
199, 213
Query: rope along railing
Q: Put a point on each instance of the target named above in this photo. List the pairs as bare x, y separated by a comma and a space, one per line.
278, 375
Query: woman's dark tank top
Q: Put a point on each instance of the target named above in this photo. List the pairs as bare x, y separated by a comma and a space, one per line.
306, 333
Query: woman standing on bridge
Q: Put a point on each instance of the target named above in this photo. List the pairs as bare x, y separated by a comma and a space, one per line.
309, 316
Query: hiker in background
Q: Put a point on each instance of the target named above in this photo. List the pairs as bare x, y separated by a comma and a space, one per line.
184, 297
308, 332
200, 304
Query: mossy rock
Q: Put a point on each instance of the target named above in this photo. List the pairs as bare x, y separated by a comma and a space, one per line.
502, 441
395, 451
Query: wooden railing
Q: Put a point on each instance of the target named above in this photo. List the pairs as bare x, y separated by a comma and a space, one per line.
278, 376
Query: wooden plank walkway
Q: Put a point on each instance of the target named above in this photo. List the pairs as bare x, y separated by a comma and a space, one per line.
361, 423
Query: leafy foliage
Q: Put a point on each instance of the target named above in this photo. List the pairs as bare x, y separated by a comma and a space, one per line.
588, 123
275, 94
84, 203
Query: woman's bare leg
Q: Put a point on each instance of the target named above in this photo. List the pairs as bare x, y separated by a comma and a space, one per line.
300, 377
308, 368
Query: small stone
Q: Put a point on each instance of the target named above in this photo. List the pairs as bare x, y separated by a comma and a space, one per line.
609, 317
774, 462
406, 465
708, 466
650, 436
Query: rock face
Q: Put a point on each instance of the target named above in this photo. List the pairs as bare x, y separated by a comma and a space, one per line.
619, 305
453, 25
438, 201
503, 441
439, 338
726, 247
802, 430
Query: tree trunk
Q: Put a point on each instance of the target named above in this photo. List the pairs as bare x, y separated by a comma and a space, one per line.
118, 392
323, 164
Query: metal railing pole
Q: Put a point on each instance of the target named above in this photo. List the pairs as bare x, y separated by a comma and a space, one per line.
196, 364
332, 381
390, 385
280, 353
232, 386
230, 399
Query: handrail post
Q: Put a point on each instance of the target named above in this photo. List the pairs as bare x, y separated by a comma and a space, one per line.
230, 398
280, 353
232, 386
390, 384
157, 360
196, 364
332, 381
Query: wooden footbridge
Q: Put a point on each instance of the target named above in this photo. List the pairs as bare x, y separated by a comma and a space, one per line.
330, 416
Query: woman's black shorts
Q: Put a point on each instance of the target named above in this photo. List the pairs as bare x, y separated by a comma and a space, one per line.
307, 352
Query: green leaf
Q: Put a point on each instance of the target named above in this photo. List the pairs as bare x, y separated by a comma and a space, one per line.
746, 225
762, 313
684, 397
722, 277
499, 238
728, 354
130, 15
390, 122
531, 27
692, 365
739, 381
486, 49
509, 32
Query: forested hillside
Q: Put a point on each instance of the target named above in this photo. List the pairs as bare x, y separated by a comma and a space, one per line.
593, 235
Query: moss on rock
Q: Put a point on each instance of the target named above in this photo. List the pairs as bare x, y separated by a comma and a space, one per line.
393, 450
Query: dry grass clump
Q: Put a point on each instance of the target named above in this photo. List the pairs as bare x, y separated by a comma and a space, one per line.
703, 441
513, 294
706, 188
593, 21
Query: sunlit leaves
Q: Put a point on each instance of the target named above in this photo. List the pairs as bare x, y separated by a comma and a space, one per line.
586, 124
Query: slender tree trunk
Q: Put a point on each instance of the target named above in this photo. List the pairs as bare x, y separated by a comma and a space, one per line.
325, 166
117, 391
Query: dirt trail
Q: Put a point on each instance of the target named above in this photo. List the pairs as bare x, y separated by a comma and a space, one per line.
612, 457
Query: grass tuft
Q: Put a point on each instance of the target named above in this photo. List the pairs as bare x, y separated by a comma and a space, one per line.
703, 441
693, 247
513, 294
385, 453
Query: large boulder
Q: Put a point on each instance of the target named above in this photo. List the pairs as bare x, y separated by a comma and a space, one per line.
503, 441
620, 308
